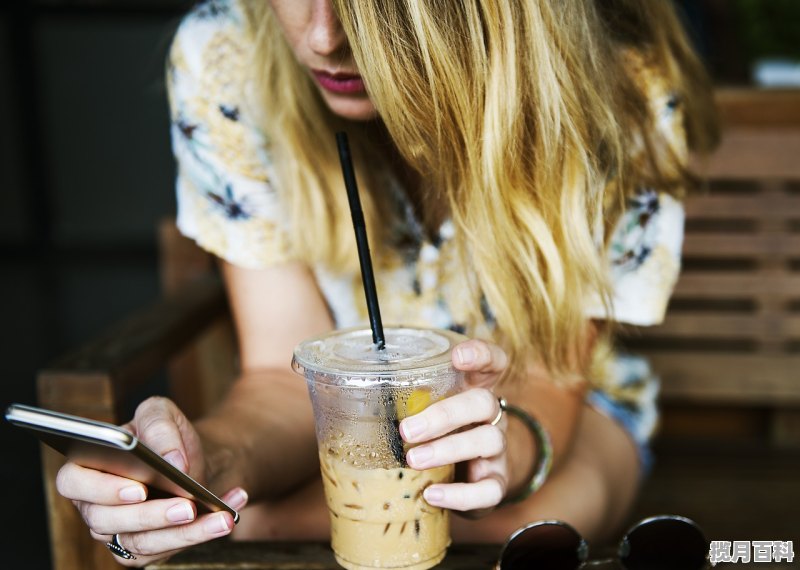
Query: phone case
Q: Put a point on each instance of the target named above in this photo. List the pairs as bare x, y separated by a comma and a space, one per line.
109, 448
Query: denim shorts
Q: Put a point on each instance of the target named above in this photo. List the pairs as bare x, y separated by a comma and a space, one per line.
630, 400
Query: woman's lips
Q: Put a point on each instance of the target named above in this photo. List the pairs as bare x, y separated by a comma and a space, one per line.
340, 83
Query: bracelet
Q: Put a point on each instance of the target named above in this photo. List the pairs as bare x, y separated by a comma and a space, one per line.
544, 454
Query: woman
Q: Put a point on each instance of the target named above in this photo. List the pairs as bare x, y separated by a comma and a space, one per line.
519, 164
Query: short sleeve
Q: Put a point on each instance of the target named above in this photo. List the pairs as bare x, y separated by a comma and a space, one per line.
226, 201
644, 259
644, 252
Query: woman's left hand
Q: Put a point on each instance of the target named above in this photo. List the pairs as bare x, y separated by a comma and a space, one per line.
482, 446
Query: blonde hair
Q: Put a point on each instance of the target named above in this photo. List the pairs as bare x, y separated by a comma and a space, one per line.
516, 115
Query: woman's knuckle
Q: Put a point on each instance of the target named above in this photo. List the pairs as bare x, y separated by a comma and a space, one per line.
153, 424
62, 480
65, 480
97, 536
497, 440
480, 469
86, 510
189, 535
496, 491
445, 413
96, 520
137, 542
152, 406
456, 499
457, 446
156, 402
485, 401
482, 353
144, 519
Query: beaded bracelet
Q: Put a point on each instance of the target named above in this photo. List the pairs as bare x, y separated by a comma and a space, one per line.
544, 454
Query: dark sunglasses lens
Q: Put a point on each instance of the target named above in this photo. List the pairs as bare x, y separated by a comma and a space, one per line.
550, 545
665, 544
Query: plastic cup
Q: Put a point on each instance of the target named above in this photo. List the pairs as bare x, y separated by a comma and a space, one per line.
379, 518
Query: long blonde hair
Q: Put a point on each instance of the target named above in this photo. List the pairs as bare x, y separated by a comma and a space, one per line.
516, 115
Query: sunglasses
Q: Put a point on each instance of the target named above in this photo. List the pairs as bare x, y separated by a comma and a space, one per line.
666, 542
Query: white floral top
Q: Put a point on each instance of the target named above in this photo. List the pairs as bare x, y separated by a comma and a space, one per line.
227, 204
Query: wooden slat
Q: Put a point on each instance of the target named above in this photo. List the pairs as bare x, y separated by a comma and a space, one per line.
87, 394
749, 153
786, 427
181, 261
710, 325
733, 285
733, 378
758, 108
138, 346
737, 245
733, 424
754, 207
201, 374
762, 108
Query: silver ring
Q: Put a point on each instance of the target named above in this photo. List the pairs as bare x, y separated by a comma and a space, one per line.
500, 412
118, 550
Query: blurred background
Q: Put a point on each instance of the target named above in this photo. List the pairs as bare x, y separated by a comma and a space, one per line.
86, 174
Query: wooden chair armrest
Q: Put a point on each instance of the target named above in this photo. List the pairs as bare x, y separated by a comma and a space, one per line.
93, 380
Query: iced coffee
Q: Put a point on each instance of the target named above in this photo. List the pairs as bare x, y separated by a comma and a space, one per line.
379, 518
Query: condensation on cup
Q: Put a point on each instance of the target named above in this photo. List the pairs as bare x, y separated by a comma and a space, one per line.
379, 518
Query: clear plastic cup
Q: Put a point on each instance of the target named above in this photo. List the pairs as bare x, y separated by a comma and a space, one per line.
379, 518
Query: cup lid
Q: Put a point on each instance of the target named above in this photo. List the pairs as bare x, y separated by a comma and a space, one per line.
347, 355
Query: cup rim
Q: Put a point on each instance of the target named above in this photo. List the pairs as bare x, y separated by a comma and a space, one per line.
394, 372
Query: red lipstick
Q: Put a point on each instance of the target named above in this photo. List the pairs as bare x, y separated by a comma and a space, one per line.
340, 83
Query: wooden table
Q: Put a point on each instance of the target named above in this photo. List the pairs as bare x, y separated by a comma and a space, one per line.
229, 555
739, 492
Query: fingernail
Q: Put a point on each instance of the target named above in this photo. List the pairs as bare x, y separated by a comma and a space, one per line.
181, 512
466, 355
175, 458
238, 500
413, 427
132, 494
216, 524
419, 456
433, 495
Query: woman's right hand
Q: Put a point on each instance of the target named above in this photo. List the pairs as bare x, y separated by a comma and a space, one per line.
156, 529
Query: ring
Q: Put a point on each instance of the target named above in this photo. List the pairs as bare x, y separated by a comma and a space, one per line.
118, 550
500, 412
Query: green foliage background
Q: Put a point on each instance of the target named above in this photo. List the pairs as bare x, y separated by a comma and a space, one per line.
769, 28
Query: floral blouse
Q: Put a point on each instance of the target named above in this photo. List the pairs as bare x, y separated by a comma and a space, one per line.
228, 205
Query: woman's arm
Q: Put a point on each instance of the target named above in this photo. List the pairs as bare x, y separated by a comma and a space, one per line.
557, 407
595, 471
498, 461
262, 435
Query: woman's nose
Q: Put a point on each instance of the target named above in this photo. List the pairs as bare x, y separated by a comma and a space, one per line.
325, 36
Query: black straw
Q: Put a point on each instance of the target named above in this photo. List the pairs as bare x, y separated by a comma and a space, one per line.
367, 276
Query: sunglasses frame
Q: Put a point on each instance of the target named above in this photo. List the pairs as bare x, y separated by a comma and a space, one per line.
582, 551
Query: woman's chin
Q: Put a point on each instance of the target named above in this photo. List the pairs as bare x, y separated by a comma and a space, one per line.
351, 107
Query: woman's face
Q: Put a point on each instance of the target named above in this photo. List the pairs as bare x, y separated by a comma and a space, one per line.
316, 37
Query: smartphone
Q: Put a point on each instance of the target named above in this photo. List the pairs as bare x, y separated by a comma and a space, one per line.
109, 448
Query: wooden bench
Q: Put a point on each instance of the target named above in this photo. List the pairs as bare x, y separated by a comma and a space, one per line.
729, 350
728, 354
